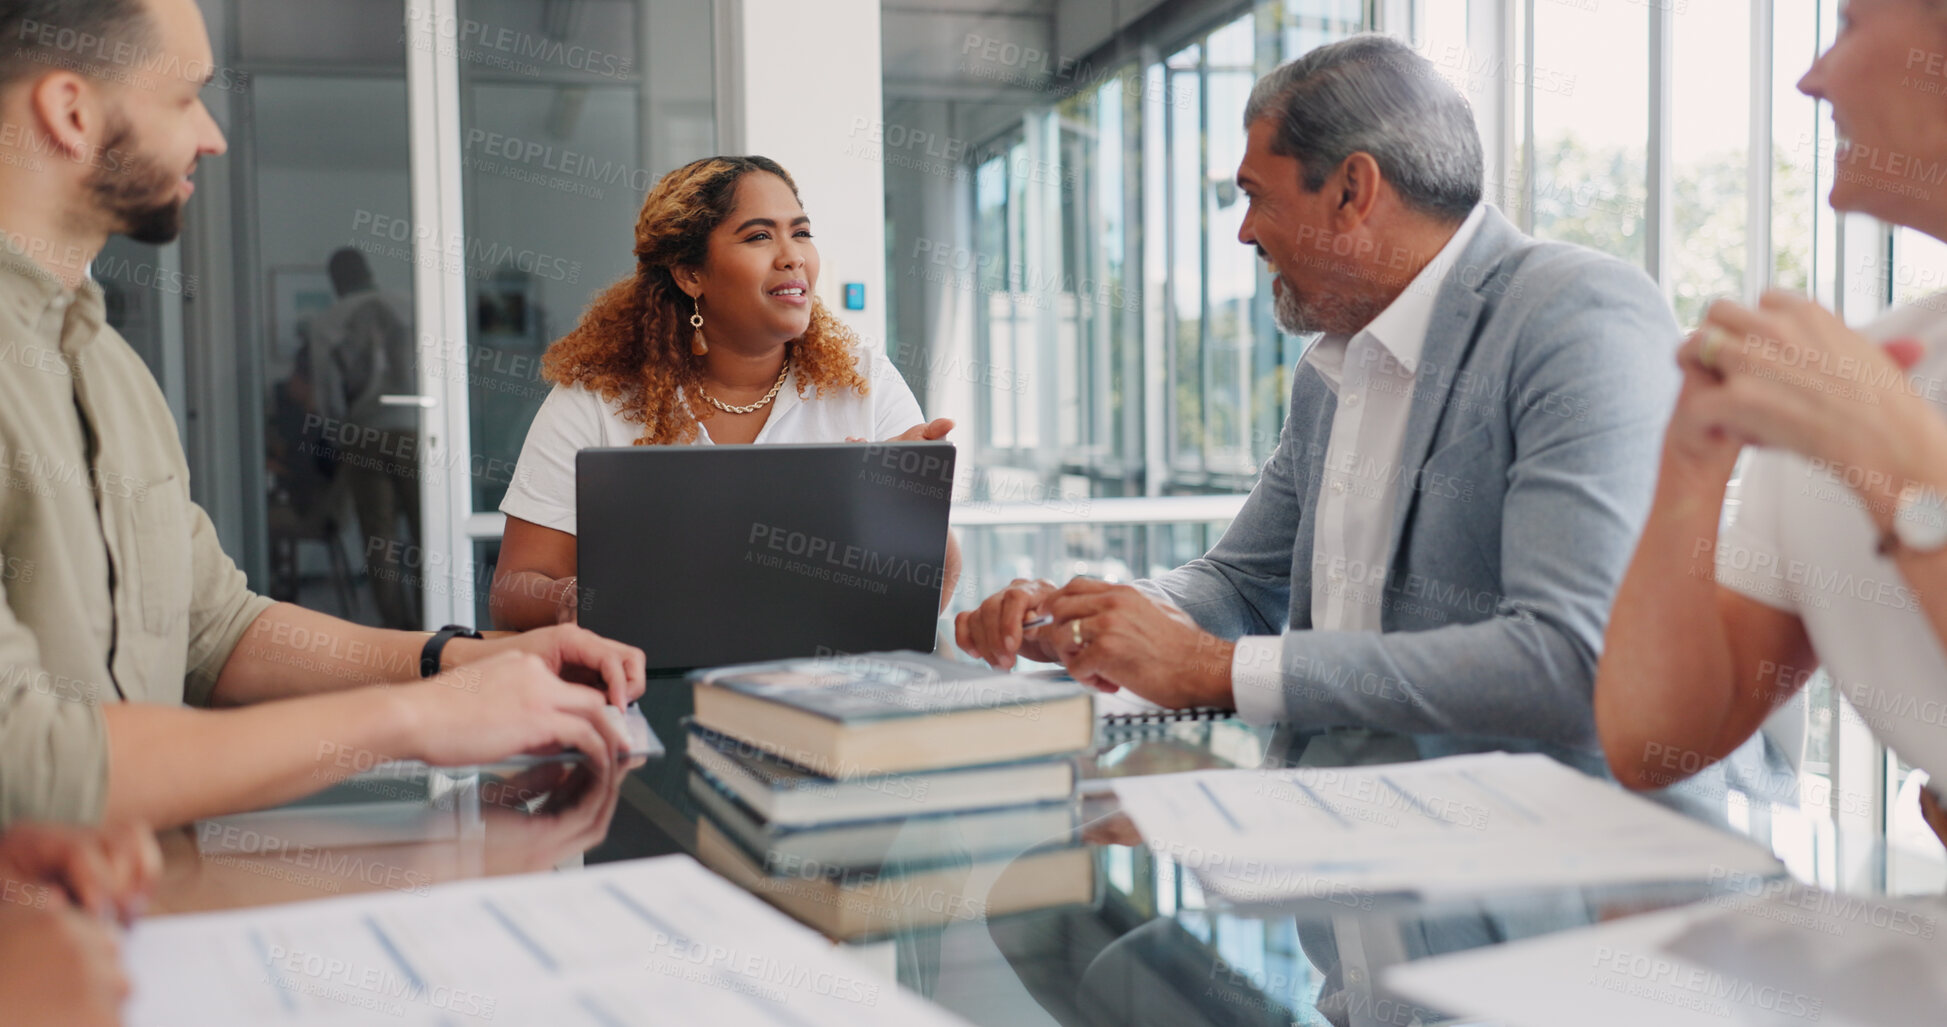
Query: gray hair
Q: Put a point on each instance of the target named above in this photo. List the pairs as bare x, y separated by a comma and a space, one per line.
1372, 94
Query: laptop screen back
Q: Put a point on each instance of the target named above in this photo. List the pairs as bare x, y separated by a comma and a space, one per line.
710, 555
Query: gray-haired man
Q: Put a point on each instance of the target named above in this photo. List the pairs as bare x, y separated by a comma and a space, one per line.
1468, 457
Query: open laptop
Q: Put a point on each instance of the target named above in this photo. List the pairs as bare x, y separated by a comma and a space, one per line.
710, 555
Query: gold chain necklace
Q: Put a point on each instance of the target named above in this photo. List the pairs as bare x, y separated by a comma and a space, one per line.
776, 387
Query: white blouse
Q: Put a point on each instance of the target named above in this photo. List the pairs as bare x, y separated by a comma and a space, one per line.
573, 418
1801, 541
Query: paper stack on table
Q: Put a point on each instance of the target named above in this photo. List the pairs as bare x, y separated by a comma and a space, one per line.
1789, 955
1463, 824
657, 941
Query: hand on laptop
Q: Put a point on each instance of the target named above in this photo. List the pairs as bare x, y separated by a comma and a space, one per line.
107, 873
573, 654
507, 704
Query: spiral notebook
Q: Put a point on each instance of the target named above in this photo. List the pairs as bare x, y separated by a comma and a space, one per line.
1127, 708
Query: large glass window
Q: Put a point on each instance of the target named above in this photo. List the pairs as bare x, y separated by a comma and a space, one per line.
308, 247
1184, 189
1121, 335
1799, 167
1709, 146
316, 254
1167, 135
1589, 84
1592, 132
569, 113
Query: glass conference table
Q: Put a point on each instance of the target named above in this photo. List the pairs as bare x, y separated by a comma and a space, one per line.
1077, 924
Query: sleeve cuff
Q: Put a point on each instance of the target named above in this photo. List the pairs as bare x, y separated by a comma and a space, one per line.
537, 511
223, 638
1257, 679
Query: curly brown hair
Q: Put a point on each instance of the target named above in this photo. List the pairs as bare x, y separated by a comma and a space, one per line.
632, 347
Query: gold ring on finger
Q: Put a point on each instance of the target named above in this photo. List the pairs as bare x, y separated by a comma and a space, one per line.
1075, 631
1714, 339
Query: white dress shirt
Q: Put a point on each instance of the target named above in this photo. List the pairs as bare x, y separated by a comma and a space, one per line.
1373, 374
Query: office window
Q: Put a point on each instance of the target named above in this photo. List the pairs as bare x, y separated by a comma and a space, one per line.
1231, 372
1080, 279
1800, 140
1589, 84
1185, 191
1121, 335
1709, 133
1919, 269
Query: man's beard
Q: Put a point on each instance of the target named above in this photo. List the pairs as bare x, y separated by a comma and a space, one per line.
1332, 312
135, 191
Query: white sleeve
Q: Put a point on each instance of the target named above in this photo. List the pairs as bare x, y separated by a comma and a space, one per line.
1257, 679
894, 409
543, 489
1750, 550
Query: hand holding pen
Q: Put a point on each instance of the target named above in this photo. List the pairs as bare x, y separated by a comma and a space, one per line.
1010, 624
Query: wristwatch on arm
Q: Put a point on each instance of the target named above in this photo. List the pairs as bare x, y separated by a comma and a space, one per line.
429, 656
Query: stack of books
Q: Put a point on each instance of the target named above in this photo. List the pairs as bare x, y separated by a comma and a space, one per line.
875, 793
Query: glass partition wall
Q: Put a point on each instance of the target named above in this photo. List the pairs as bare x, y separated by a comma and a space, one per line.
420, 195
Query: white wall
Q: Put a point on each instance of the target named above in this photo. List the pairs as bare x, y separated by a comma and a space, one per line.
803, 88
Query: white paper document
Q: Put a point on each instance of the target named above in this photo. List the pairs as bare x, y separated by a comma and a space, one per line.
658, 941
1789, 955
1463, 824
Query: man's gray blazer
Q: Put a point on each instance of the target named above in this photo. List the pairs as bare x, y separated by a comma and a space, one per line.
1526, 472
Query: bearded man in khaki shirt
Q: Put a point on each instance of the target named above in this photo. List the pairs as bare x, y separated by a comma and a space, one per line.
119, 606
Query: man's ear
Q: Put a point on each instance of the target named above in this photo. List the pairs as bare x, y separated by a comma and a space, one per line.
63, 106
1354, 189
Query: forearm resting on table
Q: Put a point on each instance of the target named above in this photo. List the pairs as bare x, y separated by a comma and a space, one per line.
290, 652
169, 765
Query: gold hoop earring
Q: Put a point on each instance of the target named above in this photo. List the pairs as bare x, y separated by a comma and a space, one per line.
698, 346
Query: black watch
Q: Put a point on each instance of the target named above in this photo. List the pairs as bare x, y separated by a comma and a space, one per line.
429, 656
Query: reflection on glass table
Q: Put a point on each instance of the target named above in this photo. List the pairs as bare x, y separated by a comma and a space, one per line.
1045, 914
401, 830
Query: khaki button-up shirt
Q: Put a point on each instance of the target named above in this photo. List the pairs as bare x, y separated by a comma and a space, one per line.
115, 587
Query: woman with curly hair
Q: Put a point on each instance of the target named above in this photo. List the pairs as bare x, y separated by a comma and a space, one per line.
716, 338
